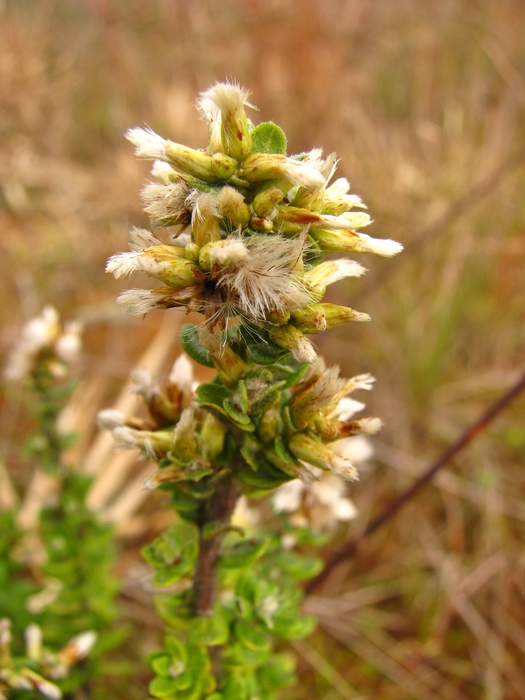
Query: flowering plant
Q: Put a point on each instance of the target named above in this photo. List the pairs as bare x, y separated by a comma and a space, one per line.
56, 584
248, 230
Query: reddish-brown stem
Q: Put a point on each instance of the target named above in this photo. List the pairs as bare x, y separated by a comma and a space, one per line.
218, 511
348, 549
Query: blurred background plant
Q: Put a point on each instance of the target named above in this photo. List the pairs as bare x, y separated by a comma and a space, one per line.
424, 104
56, 577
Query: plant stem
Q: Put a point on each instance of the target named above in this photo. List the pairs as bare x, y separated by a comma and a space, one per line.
218, 510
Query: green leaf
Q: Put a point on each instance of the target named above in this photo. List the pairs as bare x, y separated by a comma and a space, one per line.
278, 672
268, 138
235, 688
266, 477
252, 636
217, 527
160, 663
162, 687
213, 394
243, 396
208, 631
267, 399
183, 681
174, 610
182, 501
242, 554
293, 627
297, 375
176, 648
193, 692
234, 413
247, 586
298, 566
239, 655
283, 452
190, 342
267, 354
209, 683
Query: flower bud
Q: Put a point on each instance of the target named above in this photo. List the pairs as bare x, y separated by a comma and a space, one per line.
5, 640
166, 475
268, 197
294, 470
336, 199
310, 319
233, 207
164, 262
230, 367
164, 172
347, 241
227, 253
205, 220
180, 383
33, 635
159, 405
154, 444
316, 395
259, 224
318, 317
273, 166
331, 271
295, 216
69, 344
184, 441
278, 317
35, 680
309, 199
200, 164
78, 648
224, 104
291, 338
313, 451
269, 425
212, 434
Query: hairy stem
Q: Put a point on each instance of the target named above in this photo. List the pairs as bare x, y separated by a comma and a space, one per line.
218, 510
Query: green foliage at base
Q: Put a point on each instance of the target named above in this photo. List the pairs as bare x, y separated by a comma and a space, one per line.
259, 605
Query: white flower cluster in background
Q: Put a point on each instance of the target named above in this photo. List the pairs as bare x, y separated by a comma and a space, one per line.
44, 338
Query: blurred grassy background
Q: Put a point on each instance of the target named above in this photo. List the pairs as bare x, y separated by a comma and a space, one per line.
425, 105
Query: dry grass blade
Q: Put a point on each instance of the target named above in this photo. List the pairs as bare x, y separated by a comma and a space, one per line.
327, 671
128, 502
323, 605
492, 647
456, 210
447, 481
101, 461
42, 491
379, 650
8, 494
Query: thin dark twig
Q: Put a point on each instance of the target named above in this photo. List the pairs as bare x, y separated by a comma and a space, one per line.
459, 207
348, 549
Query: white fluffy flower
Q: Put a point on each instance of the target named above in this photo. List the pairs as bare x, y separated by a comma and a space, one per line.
147, 143
264, 280
320, 505
68, 345
181, 375
44, 334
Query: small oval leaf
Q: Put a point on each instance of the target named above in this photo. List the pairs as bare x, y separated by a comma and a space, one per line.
268, 138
